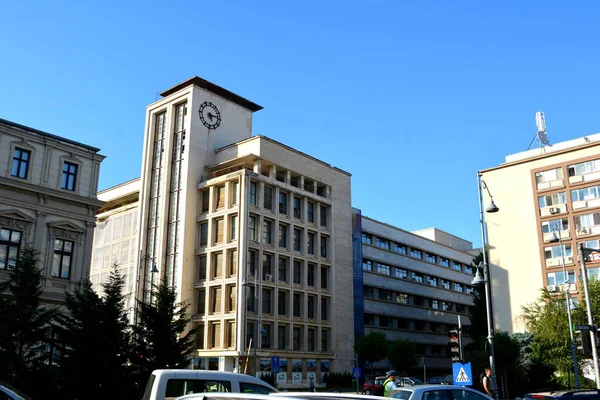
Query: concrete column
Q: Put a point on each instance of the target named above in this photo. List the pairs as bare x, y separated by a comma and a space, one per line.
288, 177
257, 166
273, 172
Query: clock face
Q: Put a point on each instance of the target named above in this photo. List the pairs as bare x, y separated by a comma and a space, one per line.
210, 115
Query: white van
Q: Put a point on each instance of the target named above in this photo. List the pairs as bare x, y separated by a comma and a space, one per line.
168, 384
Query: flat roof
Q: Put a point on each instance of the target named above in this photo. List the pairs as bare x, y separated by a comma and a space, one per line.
216, 89
59, 138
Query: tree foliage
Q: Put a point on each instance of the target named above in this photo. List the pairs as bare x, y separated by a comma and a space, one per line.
403, 355
371, 347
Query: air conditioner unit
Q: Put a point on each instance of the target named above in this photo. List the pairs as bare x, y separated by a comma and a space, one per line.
554, 210
268, 277
551, 288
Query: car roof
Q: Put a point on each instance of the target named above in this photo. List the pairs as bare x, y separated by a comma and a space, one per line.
204, 374
563, 393
243, 396
325, 395
420, 388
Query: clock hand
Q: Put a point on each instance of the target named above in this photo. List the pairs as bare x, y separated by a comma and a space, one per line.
210, 115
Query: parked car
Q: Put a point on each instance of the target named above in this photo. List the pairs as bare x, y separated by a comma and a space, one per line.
231, 396
324, 396
168, 384
374, 387
7, 392
448, 380
592, 394
408, 381
438, 392
435, 380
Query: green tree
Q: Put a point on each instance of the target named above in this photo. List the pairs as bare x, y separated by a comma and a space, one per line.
371, 347
159, 339
96, 343
24, 327
403, 355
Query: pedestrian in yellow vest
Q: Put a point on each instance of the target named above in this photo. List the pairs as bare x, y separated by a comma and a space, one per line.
390, 382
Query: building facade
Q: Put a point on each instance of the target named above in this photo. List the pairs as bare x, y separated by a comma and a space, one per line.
48, 200
254, 234
414, 286
553, 190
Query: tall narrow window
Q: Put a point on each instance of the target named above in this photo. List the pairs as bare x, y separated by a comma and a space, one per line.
266, 301
252, 262
310, 212
234, 192
20, 164
297, 338
324, 277
311, 275
297, 305
69, 175
252, 221
200, 336
282, 337
297, 240
267, 231
323, 215
325, 340
311, 339
252, 194
63, 253
297, 272
266, 267
219, 226
265, 339
217, 267
283, 229
268, 198
232, 261
205, 200
10, 243
202, 267
282, 303
282, 270
220, 196
215, 300
324, 309
324, 240
283, 202
297, 207
310, 247
204, 234
201, 302
310, 312
233, 224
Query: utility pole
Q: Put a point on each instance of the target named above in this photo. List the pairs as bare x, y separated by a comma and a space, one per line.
588, 306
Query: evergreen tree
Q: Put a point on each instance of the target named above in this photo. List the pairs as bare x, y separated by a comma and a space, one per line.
159, 339
24, 327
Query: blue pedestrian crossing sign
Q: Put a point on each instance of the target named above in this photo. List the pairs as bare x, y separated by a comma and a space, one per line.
275, 364
356, 373
461, 374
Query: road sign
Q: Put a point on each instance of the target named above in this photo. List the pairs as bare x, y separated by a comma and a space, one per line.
461, 374
275, 364
356, 373
582, 327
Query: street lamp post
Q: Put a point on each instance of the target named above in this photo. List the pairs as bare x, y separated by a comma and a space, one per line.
558, 238
588, 304
492, 208
153, 271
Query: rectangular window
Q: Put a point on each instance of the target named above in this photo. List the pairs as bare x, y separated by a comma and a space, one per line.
432, 280
10, 244
311, 339
283, 202
297, 340
215, 300
282, 303
310, 245
400, 248
312, 302
583, 168
550, 175
204, 234
265, 336
220, 196
266, 301
235, 186
401, 298
297, 207
587, 221
283, 229
458, 287
324, 339
202, 267
382, 243
297, 272
267, 269
267, 231
416, 253
310, 212
552, 199
200, 336
456, 266
324, 240
430, 257
324, 309
252, 222
297, 305
367, 265
444, 262
268, 198
383, 269
252, 262
250, 304
63, 253
232, 261
230, 339
282, 270
323, 215
324, 277
205, 194
215, 335
233, 224
585, 194
367, 238
282, 337
217, 265
252, 194
555, 251
20, 164
219, 226
400, 273
298, 240
311, 275
69, 176
201, 302
445, 284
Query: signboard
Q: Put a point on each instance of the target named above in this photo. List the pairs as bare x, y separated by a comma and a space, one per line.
356, 373
275, 364
461, 374
578, 327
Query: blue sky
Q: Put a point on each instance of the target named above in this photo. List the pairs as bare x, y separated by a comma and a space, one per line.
410, 96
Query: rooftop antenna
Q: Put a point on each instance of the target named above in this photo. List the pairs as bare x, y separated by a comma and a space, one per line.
541, 136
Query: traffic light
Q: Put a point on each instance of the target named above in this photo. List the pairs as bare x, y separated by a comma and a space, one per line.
583, 341
455, 345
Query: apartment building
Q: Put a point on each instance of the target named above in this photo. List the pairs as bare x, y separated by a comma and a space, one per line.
412, 285
254, 234
48, 200
542, 193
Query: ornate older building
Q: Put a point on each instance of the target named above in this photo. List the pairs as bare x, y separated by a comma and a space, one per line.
48, 198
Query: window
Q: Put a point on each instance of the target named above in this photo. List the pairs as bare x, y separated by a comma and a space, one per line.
416, 277
63, 253
267, 231
415, 253
367, 265
297, 207
69, 175
297, 239
230, 338
558, 278
217, 268
232, 261
252, 194
201, 302
297, 272
219, 226
252, 221
555, 251
266, 301
324, 277
446, 306
324, 240
205, 194
202, 267
312, 302
265, 336
586, 221
268, 198
369, 319
282, 270
444, 262
282, 303
235, 188
445, 284
367, 238
324, 309
215, 300
458, 287
432, 280
430, 257
283, 202
297, 340
220, 196
281, 337
549, 176
456, 266
399, 248
204, 234
283, 230
401, 298
310, 212
10, 243
324, 339
468, 269
200, 336
369, 292
266, 266
311, 339
400, 273
233, 223
310, 248
588, 193
434, 304
583, 168
384, 244
385, 295
552, 199
297, 305
252, 292
383, 269
311, 275
252, 262
20, 164
323, 215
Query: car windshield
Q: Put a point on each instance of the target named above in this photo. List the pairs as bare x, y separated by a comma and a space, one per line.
14, 392
401, 394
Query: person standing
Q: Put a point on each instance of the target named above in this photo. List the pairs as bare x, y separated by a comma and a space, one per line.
390, 382
311, 384
488, 384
